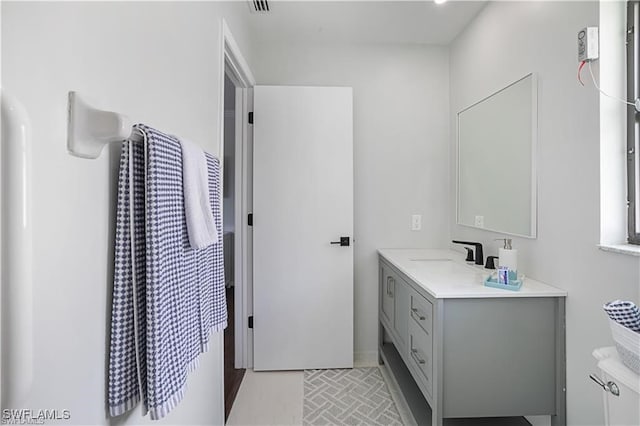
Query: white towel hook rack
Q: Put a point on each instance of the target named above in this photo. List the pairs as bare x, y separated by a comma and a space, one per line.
90, 129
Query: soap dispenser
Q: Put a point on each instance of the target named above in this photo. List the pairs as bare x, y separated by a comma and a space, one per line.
508, 256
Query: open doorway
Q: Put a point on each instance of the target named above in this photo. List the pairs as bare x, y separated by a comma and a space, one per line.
232, 375
236, 155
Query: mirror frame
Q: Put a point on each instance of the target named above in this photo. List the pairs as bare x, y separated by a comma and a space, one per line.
534, 150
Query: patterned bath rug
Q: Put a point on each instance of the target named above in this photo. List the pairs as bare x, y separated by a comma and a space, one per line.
356, 396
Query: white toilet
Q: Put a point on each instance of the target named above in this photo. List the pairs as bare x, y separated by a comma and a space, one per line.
622, 409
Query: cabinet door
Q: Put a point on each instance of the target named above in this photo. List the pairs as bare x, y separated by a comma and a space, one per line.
402, 304
386, 296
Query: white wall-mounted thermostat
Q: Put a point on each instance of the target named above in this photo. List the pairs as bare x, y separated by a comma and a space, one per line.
588, 44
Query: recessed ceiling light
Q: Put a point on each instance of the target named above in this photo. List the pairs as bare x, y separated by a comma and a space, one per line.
439, 1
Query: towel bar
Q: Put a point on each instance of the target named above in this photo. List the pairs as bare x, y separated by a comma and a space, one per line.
90, 129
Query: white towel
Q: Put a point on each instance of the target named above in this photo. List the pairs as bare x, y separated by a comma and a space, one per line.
201, 226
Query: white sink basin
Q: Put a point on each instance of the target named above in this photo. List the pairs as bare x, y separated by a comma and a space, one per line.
445, 269
430, 260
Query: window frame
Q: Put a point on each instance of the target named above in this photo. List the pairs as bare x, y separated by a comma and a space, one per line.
633, 121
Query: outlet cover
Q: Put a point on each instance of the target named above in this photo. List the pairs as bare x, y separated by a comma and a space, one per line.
480, 221
416, 222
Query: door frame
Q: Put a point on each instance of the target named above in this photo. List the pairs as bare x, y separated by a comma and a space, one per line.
233, 64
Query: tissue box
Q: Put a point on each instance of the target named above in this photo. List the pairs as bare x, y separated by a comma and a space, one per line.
627, 344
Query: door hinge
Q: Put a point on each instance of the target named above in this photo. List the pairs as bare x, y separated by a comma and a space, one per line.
251, 321
251, 117
250, 219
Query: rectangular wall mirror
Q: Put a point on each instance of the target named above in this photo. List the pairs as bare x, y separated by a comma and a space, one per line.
496, 160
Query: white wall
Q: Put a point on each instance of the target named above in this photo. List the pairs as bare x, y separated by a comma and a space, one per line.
506, 41
160, 64
400, 148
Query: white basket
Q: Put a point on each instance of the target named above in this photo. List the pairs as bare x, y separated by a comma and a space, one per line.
628, 345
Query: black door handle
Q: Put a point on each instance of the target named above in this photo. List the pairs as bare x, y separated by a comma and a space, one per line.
344, 242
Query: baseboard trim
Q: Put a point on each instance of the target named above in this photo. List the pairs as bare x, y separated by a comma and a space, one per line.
539, 420
365, 359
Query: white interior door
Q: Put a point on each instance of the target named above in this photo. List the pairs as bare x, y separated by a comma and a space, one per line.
303, 201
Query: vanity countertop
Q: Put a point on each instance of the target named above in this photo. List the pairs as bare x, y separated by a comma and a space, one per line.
444, 274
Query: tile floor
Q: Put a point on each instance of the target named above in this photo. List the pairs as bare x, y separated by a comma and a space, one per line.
268, 398
350, 396
276, 398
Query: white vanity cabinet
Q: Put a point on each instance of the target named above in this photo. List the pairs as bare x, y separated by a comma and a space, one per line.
460, 349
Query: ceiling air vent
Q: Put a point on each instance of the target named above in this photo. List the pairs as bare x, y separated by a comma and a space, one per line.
259, 6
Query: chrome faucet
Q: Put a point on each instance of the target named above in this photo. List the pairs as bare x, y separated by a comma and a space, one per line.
479, 256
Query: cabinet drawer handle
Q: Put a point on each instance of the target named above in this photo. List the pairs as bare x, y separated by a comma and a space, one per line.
392, 288
420, 317
414, 354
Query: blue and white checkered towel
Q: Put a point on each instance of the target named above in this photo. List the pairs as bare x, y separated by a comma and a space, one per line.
624, 313
167, 302
127, 371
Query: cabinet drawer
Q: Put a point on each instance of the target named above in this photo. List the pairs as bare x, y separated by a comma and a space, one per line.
421, 355
422, 312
